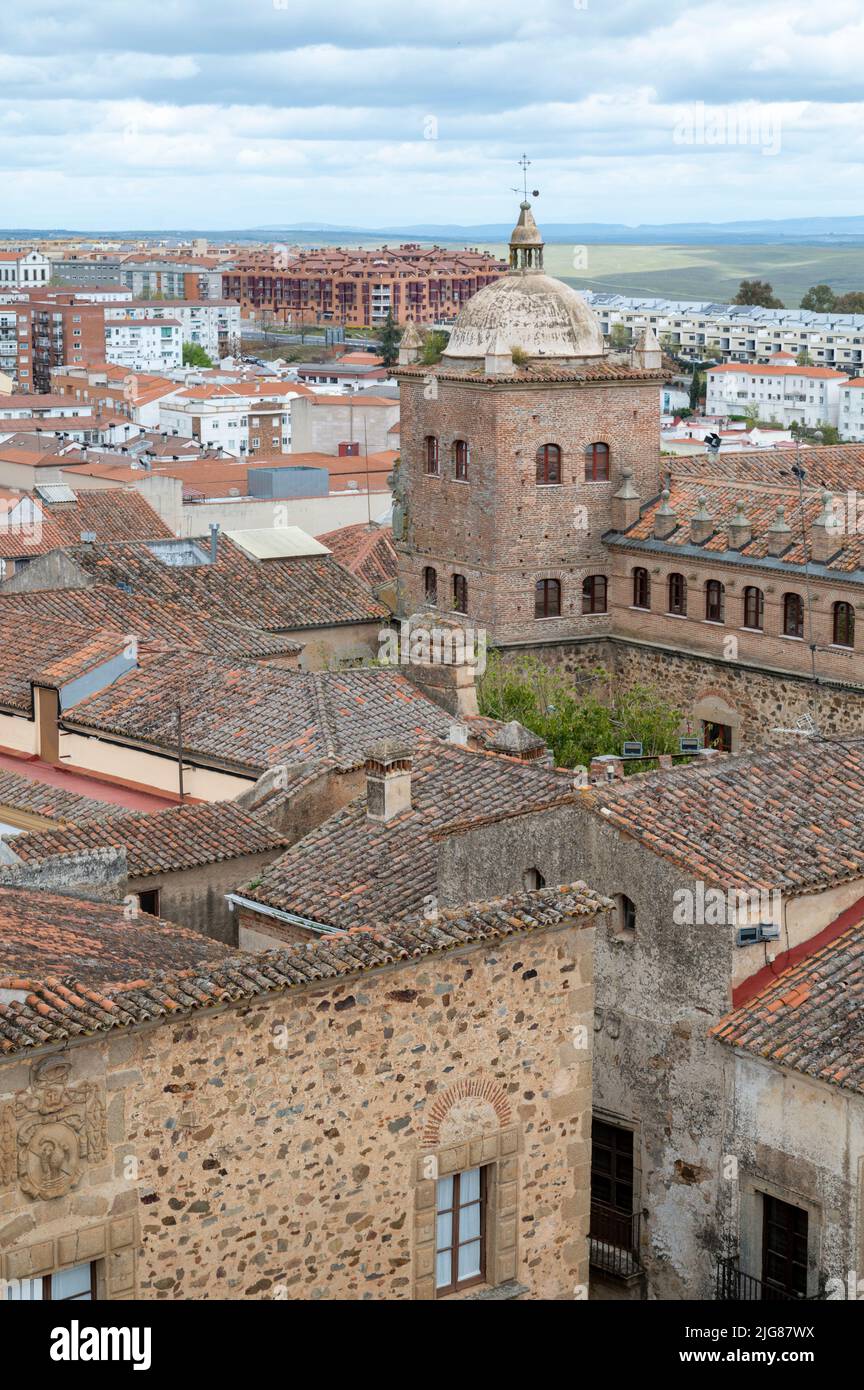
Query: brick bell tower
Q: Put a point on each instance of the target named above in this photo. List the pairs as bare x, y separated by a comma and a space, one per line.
512, 448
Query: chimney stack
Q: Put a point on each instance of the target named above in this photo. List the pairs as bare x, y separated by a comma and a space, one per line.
625, 507
665, 520
701, 523
739, 531
825, 532
779, 534
388, 780
214, 541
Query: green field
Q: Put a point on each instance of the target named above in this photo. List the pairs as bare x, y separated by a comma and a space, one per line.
703, 272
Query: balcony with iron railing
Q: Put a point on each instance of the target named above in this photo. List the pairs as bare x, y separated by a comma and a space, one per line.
614, 1241
731, 1285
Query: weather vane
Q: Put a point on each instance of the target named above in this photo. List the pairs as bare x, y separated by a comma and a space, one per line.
523, 165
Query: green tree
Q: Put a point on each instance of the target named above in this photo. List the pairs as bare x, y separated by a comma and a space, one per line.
819, 299
619, 337
388, 341
757, 292
804, 359
577, 727
697, 389
852, 303
433, 346
195, 356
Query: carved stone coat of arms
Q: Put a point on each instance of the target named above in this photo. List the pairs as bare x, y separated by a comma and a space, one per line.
48, 1131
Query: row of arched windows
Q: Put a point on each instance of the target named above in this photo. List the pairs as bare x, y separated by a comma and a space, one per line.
547, 594
753, 607
549, 461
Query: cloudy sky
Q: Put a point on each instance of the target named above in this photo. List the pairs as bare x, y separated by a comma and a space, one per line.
118, 114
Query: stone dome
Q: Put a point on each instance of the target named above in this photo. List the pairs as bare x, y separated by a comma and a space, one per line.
530, 310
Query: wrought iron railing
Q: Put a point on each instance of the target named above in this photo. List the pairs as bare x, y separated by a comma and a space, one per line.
614, 1240
734, 1286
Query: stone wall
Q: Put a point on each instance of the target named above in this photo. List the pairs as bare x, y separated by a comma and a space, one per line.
288, 1148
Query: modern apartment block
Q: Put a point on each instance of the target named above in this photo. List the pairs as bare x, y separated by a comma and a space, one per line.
780, 390
737, 332
426, 284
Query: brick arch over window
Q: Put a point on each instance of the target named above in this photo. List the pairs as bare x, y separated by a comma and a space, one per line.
485, 1097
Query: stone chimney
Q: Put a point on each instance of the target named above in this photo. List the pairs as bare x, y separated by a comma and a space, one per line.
214, 541
606, 767
701, 522
739, 530
499, 357
646, 354
779, 534
665, 520
826, 532
410, 346
388, 780
625, 504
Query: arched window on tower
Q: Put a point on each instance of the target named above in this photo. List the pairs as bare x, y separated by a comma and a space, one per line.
594, 593
430, 584
460, 593
460, 460
597, 463
678, 595
547, 598
754, 608
548, 464
430, 461
715, 601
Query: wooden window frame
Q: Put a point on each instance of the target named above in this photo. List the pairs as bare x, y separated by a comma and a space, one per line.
837, 624
590, 586
431, 459
46, 1290
753, 594
456, 1284
460, 591
788, 600
680, 583
461, 460
641, 579
715, 601
542, 590
150, 893
770, 1213
594, 453
549, 462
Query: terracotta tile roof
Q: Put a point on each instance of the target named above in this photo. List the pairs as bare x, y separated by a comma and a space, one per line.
52, 803
811, 1018
351, 868
45, 935
278, 595
113, 513
366, 551
180, 837
255, 717
789, 818
835, 466
760, 505
79, 999
150, 620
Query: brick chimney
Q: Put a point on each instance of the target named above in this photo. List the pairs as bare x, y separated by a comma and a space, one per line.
606, 767
388, 780
701, 522
625, 505
516, 741
739, 530
826, 532
665, 520
779, 534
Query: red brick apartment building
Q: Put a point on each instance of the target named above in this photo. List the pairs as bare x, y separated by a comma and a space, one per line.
358, 286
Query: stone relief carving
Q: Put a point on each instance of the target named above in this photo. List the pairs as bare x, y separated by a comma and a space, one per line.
48, 1131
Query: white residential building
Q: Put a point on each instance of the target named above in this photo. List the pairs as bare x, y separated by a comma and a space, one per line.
24, 270
852, 409
243, 420
700, 329
779, 391
214, 324
143, 344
